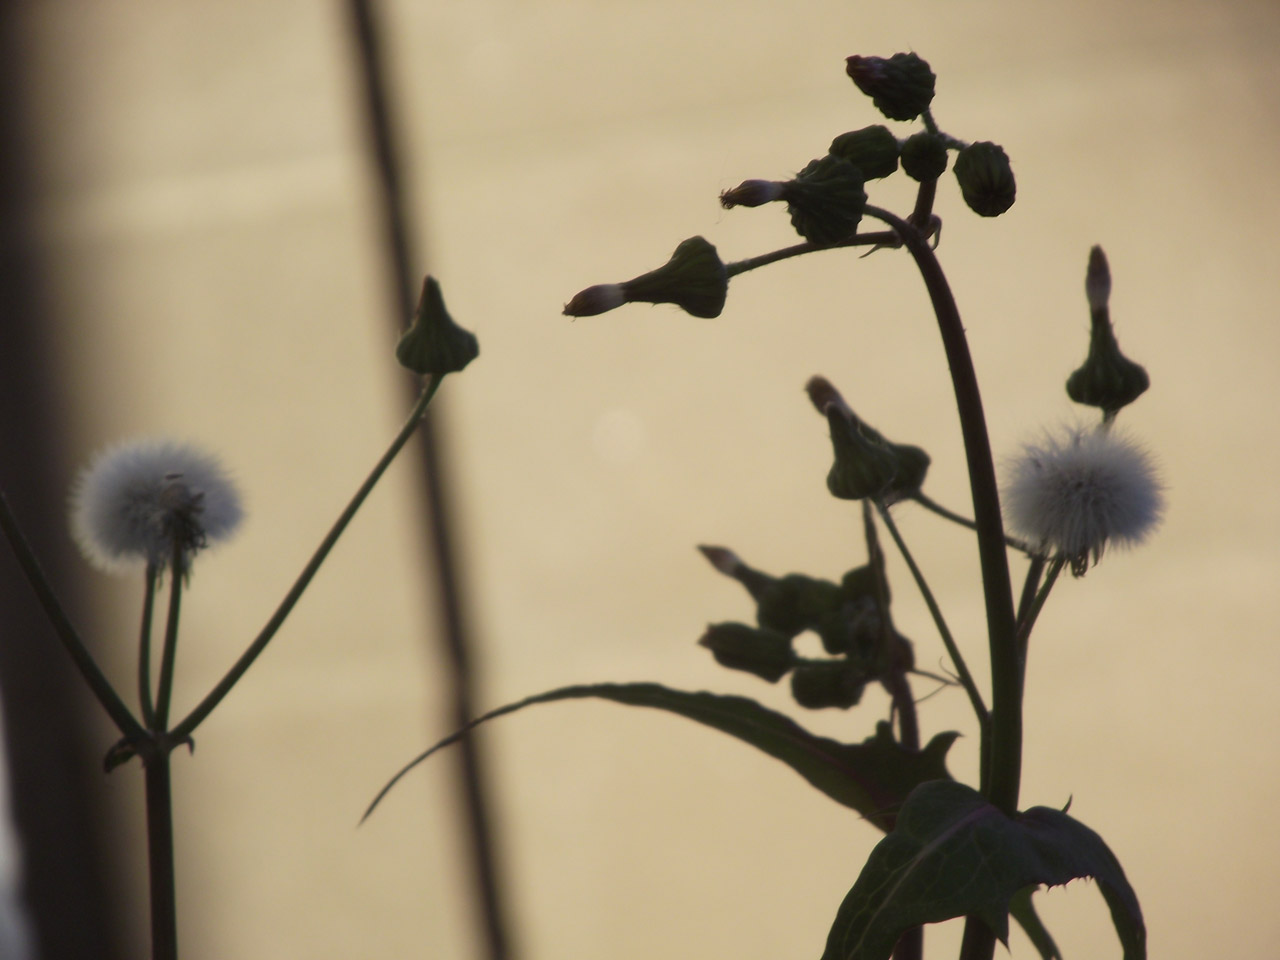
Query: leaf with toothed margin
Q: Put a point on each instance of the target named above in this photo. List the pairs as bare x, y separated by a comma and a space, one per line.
953, 854
873, 777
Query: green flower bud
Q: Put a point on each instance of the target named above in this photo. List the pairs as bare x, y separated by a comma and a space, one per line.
825, 200
737, 646
863, 468
873, 150
924, 156
867, 465
1107, 379
853, 631
900, 87
913, 465
833, 683
860, 584
434, 345
694, 279
986, 179
865, 461
796, 603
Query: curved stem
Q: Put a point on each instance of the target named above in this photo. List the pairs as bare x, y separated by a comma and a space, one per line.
106, 695
1006, 678
144, 648
1002, 769
948, 641
202, 710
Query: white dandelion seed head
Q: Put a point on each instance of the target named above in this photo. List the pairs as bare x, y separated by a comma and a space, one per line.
137, 502
1072, 494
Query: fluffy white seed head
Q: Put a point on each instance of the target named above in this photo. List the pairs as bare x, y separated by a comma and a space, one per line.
138, 502
1070, 495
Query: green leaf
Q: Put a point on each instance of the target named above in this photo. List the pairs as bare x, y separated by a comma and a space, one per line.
873, 777
953, 854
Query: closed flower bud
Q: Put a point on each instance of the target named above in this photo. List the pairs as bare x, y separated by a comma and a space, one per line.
1108, 379
434, 345
737, 646
863, 468
826, 200
795, 603
835, 683
873, 150
866, 464
901, 87
694, 279
853, 631
986, 179
924, 156
860, 584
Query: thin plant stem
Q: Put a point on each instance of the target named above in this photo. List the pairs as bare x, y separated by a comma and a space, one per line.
97, 682
169, 652
1028, 620
910, 945
932, 505
948, 641
925, 196
160, 854
144, 648
1030, 584
883, 238
202, 710
895, 681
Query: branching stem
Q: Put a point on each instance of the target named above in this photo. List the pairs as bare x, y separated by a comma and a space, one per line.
948, 641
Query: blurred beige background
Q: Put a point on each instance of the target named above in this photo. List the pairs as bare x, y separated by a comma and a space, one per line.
205, 202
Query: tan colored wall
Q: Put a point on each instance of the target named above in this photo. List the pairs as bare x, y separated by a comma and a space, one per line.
205, 206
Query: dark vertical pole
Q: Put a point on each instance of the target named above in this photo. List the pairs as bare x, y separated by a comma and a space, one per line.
404, 281
54, 768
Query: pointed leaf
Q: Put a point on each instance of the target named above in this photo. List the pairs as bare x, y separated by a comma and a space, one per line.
873, 777
1024, 911
953, 854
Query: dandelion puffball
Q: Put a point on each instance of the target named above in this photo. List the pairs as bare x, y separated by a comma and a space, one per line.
1071, 495
151, 501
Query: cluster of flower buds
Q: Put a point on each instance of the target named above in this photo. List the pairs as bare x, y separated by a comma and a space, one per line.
902, 87
866, 464
827, 198
845, 616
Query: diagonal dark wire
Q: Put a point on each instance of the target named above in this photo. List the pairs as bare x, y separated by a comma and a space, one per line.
454, 634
